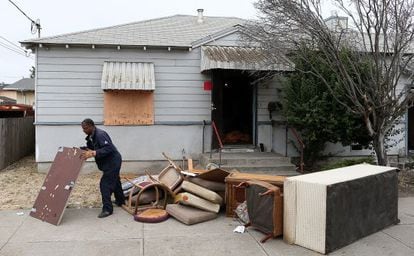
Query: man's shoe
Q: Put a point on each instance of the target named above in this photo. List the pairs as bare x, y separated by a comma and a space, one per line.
104, 214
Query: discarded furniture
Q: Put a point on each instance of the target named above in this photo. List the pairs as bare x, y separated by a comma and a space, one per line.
202, 192
212, 179
153, 215
53, 196
264, 207
327, 210
236, 195
158, 197
153, 191
197, 202
189, 215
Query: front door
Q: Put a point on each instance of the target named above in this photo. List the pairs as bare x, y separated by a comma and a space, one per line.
232, 107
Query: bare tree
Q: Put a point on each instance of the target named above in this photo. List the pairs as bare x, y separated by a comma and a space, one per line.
380, 35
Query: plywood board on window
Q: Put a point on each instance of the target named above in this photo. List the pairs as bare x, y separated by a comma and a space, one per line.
127, 107
51, 201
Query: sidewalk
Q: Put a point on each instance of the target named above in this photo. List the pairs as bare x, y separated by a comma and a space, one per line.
82, 233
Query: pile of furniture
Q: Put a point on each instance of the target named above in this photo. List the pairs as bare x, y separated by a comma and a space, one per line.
322, 211
189, 199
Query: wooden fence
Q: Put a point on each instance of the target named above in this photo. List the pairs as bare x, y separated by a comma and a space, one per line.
17, 139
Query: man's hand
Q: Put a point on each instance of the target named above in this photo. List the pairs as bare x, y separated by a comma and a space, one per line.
88, 154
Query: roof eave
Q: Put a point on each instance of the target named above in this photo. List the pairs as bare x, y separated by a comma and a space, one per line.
33, 45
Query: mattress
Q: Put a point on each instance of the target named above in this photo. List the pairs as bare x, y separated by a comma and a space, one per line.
202, 192
197, 202
327, 210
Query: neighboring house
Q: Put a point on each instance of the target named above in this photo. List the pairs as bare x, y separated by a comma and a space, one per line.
21, 91
6, 100
156, 85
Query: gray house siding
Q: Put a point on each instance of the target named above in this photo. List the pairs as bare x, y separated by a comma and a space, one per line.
69, 90
69, 84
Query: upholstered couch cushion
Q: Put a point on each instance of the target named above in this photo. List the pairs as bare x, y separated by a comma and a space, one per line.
202, 192
197, 202
189, 215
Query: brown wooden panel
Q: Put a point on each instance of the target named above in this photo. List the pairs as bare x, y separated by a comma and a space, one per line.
128, 107
235, 195
59, 182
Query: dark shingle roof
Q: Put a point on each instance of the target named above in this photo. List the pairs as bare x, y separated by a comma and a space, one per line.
177, 30
24, 84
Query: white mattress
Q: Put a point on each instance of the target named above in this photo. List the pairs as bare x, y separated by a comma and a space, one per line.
305, 203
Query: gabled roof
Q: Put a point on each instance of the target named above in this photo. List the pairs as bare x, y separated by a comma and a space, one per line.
177, 30
24, 84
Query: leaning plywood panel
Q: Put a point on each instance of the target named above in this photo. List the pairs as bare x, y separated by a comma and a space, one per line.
59, 182
327, 210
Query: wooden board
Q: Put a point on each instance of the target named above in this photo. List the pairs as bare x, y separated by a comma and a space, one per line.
128, 107
51, 201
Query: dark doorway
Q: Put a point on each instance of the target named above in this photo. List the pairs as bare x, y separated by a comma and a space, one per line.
411, 129
232, 102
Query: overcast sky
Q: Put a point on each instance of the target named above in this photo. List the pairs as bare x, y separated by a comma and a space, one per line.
58, 17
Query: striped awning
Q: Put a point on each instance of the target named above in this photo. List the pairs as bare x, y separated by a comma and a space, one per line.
128, 76
241, 58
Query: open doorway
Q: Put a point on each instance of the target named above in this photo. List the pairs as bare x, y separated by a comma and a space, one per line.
411, 130
233, 107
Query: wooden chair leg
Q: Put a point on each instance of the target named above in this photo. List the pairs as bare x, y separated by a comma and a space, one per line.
264, 239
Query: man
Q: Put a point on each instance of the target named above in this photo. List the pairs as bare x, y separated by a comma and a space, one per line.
108, 159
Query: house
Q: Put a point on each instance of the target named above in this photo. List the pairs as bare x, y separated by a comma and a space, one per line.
156, 85
21, 91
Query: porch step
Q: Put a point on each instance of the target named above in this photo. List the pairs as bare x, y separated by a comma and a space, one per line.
253, 162
283, 170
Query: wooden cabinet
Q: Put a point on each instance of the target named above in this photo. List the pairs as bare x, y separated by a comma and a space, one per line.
236, 196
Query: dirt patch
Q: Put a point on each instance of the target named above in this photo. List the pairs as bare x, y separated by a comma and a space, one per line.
20, 183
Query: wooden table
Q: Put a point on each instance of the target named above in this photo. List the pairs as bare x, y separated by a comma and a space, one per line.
236, 196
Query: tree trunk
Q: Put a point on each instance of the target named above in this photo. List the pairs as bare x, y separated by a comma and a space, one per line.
379, 148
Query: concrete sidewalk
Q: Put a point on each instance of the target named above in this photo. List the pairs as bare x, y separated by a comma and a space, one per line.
82, 233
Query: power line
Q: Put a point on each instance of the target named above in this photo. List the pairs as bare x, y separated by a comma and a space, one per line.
34, 23
18, 46
12, 45
11, 49
15, 51
22, 11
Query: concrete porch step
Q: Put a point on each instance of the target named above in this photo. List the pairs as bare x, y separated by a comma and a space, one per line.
252, 162
284, 170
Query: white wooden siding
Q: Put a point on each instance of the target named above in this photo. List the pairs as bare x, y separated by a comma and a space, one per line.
69, 84
266, 93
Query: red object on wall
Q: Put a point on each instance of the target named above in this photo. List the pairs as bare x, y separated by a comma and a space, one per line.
208, 85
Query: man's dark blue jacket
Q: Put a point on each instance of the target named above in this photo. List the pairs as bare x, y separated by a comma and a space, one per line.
107, 156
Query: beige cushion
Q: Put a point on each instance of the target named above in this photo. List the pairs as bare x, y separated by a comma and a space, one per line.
202, 192
197, 202
189, 215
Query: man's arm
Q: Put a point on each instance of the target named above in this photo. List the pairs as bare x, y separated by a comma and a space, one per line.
105, 145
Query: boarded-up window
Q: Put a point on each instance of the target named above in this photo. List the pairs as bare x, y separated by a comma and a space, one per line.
128, 97
127, 107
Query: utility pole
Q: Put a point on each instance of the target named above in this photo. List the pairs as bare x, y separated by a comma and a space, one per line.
35, 25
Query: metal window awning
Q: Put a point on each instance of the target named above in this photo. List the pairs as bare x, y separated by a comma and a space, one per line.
241, 58
128, 76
